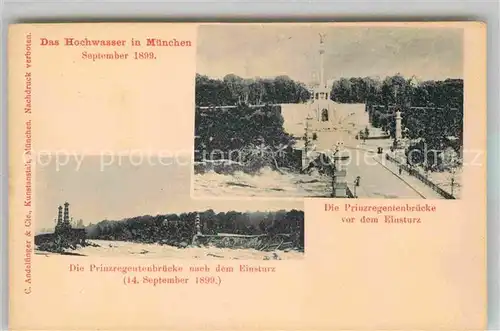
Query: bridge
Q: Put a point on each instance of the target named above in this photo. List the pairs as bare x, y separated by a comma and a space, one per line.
379, 178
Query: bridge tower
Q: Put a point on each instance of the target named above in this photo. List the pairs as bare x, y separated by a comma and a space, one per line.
339, 181
197, 230
66, 213
59, 215
197, 225
398, 136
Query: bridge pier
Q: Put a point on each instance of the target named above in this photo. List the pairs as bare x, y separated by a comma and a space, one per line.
197, 230
339, 182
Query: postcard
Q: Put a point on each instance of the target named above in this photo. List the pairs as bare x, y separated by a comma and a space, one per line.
253, 176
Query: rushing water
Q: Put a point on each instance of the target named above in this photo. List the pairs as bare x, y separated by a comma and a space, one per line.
268, 183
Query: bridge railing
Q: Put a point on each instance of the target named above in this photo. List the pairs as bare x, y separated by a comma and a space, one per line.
350, 194
422, 178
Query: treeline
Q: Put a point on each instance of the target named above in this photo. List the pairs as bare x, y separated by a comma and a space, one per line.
397, 90
233, 90
179, 228
249, 135
432, 112
245, 135
432, 125
432, 116
244, 128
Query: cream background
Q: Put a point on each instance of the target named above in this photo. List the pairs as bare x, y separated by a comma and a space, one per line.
354, 276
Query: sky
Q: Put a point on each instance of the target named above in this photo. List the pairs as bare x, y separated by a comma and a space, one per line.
269, 51
126, 189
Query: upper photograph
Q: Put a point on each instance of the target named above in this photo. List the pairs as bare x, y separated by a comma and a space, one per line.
291, 111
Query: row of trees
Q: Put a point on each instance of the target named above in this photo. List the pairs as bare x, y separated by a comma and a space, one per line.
439, 117
435, 126
430, 124
252, 135
431, 110
230, 129
246, 134
233, 90
399, 90
432, 117
177, 228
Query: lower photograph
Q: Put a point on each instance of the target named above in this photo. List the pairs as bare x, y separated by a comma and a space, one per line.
144, 210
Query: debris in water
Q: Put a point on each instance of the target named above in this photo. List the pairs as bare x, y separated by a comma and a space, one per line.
219, 256
239, 184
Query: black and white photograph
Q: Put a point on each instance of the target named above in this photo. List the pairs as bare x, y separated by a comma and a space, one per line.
99, 207
297, 111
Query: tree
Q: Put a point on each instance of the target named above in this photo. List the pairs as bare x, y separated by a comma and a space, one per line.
262, 226
234, 90
451, 160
